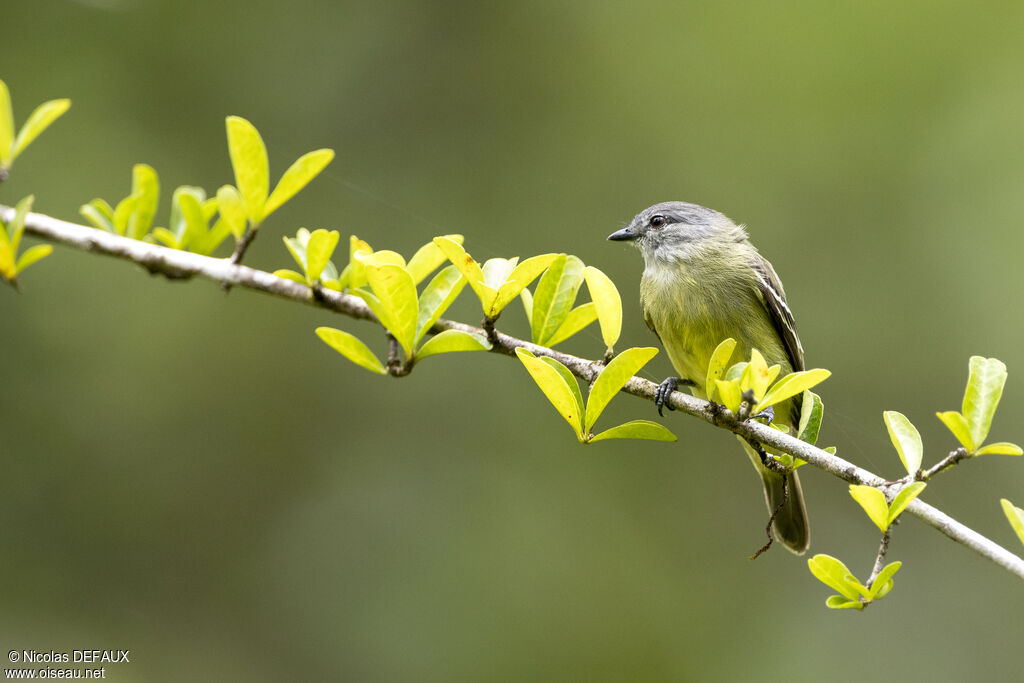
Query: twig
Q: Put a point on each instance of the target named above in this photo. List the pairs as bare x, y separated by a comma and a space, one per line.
883, 548
174, 263
952, 459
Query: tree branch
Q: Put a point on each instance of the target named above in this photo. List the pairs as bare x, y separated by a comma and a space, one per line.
177, 264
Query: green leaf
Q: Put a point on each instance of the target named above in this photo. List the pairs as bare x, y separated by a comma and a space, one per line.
834, 574
436, 298
396, 292
232, 209
555, 387
319, 250
729, 393
352, 348
469, 268
99, 213
757, 376
146, 190
384, 257
883, 582
6, 126
839, 602
637, 429
578, 318
984, 389
811, 414
612, 378
554, 296
123, 213
38, 121
497, 270
903, 499
166, 237
791, 385
17, 225
570, 380
428, 258
1015, 516
298, 175
956, 423
905, 438
527, 298
32, 255
873, 502
250, 164
521, 276
1001, 448
607, 303
452, 340
716, 367
291, 275
193, 220
355, 269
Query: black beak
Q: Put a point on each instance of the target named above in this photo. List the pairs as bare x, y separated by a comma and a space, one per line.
625, 235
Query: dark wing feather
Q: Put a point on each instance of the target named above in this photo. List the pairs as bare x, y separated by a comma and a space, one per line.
774, 299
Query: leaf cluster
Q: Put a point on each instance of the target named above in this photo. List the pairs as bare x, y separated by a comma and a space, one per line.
13, 144
11, 263
852, 593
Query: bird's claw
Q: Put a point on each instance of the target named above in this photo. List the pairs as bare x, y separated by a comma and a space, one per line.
768, 415
663, 391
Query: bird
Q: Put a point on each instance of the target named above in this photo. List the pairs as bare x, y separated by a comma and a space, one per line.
704, 282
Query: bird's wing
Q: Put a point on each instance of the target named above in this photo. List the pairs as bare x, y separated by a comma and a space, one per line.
774, 299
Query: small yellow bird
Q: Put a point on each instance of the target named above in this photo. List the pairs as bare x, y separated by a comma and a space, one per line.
704, 282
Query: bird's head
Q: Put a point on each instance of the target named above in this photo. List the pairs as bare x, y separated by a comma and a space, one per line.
676, 231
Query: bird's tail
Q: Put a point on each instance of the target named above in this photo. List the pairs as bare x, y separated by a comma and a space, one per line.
790, 526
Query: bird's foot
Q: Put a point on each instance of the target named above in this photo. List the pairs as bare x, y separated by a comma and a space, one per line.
664, 389
768, 415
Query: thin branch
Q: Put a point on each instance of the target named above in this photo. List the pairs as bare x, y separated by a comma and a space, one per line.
883, 548
178, 264
952, 459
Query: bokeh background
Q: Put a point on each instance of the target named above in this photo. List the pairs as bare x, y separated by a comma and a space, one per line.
193, 476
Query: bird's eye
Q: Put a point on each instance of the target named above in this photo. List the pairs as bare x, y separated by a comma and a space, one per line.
657, 221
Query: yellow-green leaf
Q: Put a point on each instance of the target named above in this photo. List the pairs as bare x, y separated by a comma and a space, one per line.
469, 268
356, 270
554, 386
791, 385
612, 379
554, 296
437, 297
834, 574
1015, 516
874, 503
291, 275
449, 341
232, 209
352, 348
717, 366
428, 258
319, 250
811, 413
298, 175
578, 318
32, 255
38, 121
17, 225
607, 303
569, 378
905, 438
729, 393
883, 582
396, 292
981, 398
956, 423
527, 299
903, 499
757, 376
1001, 448
99, 213
637, 429
6, 126
517, 280
146, 190
249, 162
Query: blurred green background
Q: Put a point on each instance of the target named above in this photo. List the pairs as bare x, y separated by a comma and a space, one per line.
197, 478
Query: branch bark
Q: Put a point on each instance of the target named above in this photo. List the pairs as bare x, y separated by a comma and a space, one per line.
177, 264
